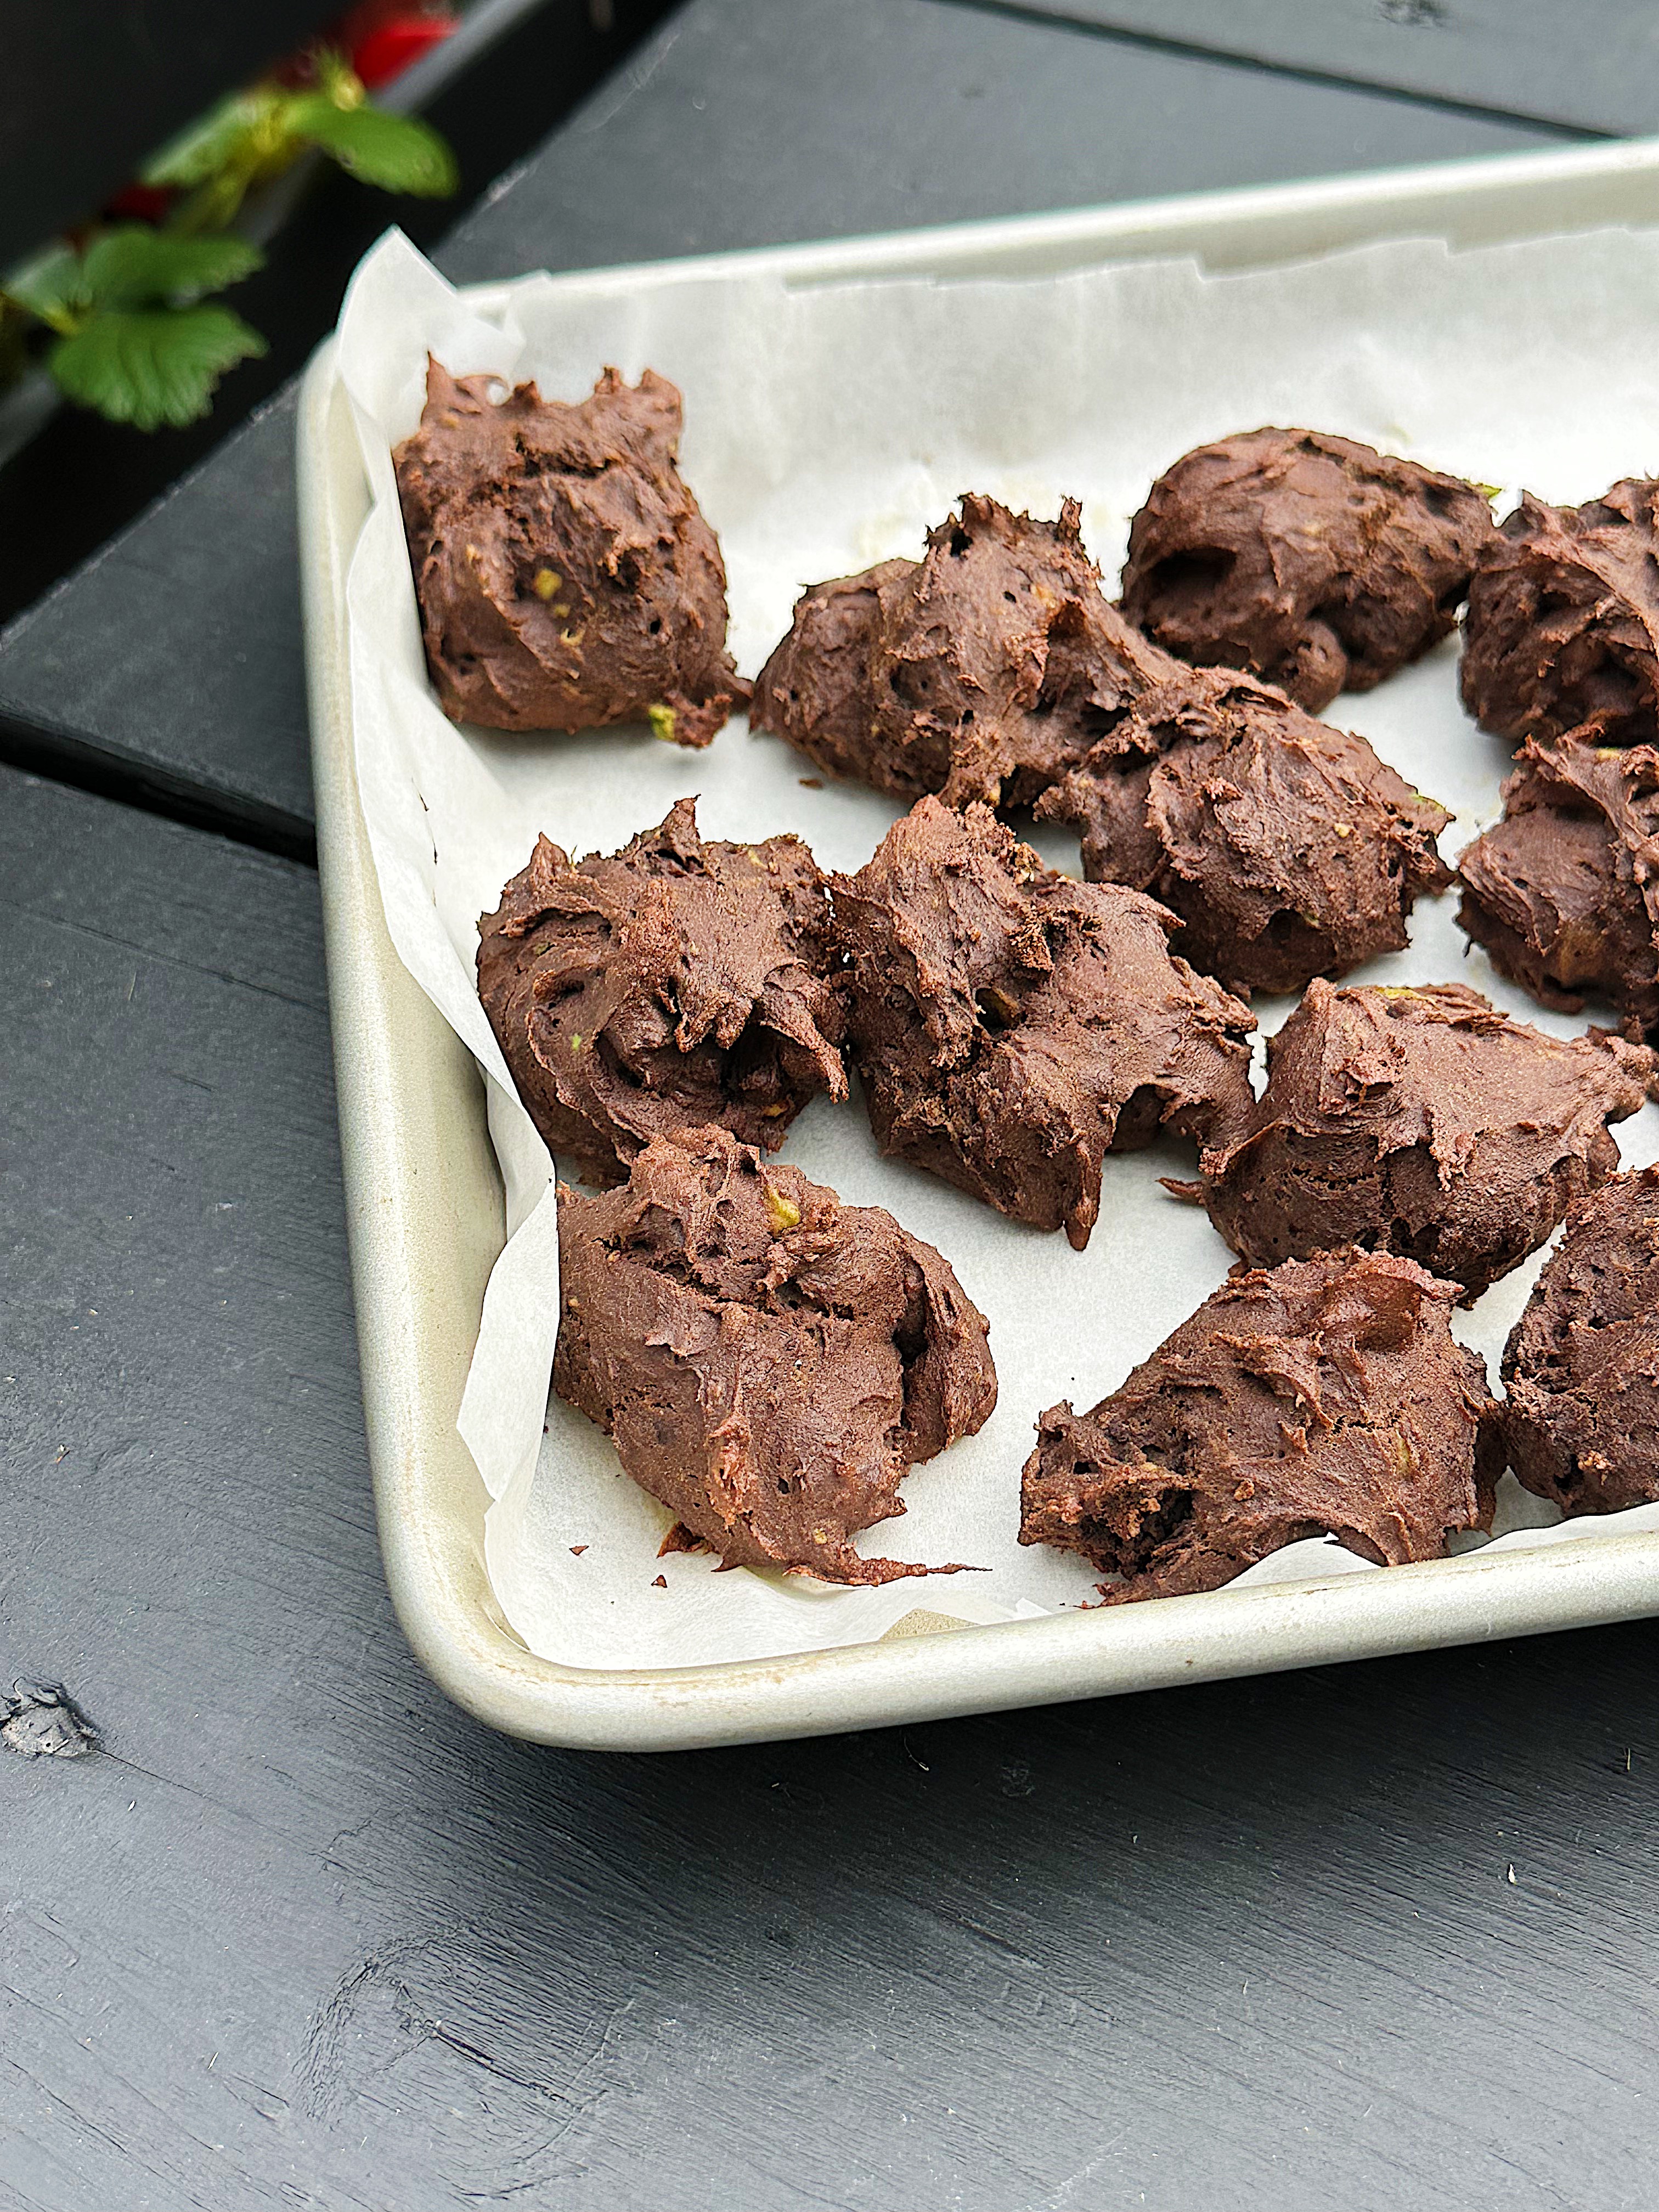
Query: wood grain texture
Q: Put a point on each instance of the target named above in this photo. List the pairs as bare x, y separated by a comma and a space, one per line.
173, 659
741, 124
299, 1934
1592, 66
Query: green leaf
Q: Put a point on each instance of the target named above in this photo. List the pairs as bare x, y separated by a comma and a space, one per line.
52, 286
153, 366
215, 141
392, 151
134, 266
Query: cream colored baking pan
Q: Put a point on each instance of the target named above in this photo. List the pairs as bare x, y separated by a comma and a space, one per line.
424, 1197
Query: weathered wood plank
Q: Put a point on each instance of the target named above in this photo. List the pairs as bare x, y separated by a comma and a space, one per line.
1592, 67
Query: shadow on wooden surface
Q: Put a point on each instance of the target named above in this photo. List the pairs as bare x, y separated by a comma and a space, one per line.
80, 477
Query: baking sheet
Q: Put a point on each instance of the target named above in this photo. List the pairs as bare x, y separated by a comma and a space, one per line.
827, 426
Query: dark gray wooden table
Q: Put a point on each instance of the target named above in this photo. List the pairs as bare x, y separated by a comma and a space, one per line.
291, 1931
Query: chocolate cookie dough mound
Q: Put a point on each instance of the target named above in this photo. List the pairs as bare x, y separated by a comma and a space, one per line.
768, 1361
670, 984
1013, 1027
1422, 1122
1287, 848
980, 672
1316, 562
1563, 892
1582, 1364
566, 575
1325, 1397
1563, 623
817, 688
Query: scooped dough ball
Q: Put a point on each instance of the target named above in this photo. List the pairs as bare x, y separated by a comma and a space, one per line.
1314, 562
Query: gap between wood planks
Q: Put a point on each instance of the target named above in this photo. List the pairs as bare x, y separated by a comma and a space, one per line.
58, 756
1058, 16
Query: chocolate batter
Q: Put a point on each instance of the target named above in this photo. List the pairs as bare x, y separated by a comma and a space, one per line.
566, 575
1563, 892
1421, 1122
1326, 1397
1287, 848
981, 672
1563, 626
1013, 1027
816, 689
768, 1361
1314, 562
670, 984
1582, 1364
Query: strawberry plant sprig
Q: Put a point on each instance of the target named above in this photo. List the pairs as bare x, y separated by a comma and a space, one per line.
254, 136
135, 338
133, 332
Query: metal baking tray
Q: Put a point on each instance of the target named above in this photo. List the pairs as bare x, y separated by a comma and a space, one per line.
424, 1197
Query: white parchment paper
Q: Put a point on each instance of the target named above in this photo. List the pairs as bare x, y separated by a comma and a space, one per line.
827, 426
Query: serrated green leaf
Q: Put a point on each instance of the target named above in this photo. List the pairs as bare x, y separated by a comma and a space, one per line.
395, 152
214, 142
137, 267
152, 366
50, 285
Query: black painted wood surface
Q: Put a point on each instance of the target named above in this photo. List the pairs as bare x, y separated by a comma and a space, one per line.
172, 661
172, 664
293, 1932
1588, 65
